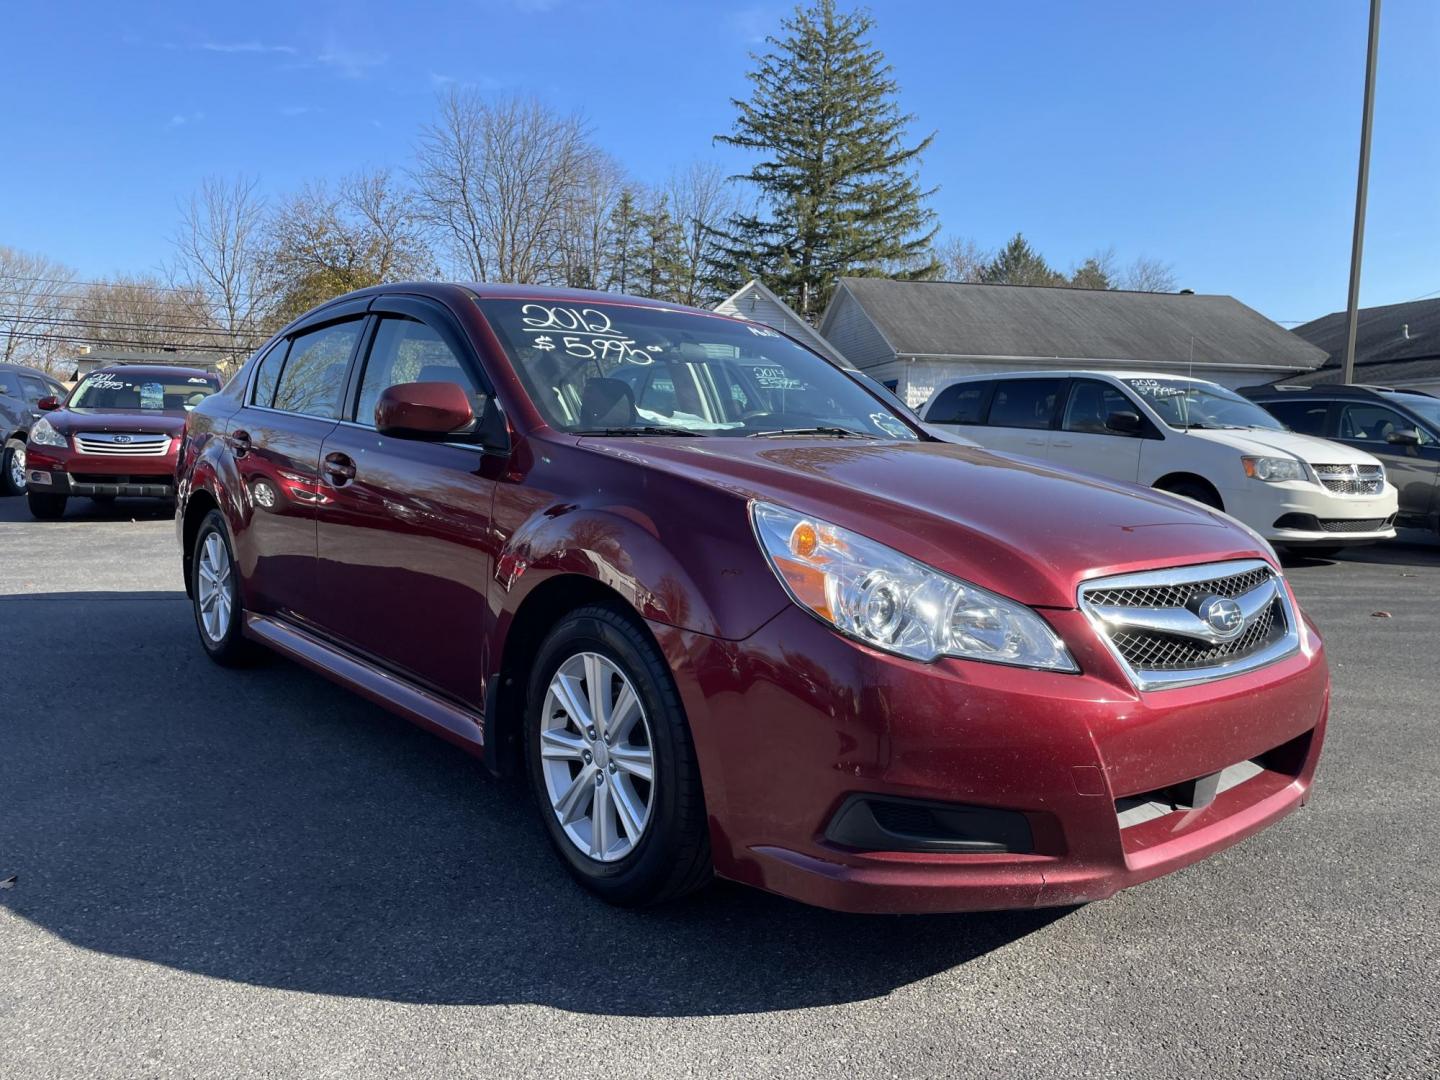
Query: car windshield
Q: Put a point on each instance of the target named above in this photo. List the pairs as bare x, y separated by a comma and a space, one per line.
1426, 408
1184, 404
618, 369
120, 390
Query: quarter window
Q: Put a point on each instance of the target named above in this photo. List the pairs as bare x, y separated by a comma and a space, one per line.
958, 404
1090, 406
269, 374
406, 350
1025, 403
314, 376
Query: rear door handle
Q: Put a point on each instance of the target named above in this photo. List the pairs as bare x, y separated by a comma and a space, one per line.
339, 469
1066, 443
1034, 442
240, 442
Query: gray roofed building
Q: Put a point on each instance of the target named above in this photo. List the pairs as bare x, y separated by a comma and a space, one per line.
93, 359
917, 335
1395, 345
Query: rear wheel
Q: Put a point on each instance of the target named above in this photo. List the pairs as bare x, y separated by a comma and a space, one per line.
215, 594
12, 468
46, 507
612, 763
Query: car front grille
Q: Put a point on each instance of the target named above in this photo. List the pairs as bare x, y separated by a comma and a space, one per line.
1351, 479
1352, 525
1193, 624
122, 444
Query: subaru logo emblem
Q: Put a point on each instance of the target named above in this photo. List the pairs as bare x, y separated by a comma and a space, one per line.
122, 438
1222, 615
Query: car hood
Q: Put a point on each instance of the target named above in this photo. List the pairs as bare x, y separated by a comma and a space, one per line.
1307, 448
69, 421
1018, 527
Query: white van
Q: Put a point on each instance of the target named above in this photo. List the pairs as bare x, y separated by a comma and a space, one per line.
1186, 436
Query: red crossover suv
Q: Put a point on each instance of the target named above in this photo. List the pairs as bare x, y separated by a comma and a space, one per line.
733, 613
117, 433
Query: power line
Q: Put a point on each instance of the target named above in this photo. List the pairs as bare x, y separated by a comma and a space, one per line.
33, 321
130, 344
189, 290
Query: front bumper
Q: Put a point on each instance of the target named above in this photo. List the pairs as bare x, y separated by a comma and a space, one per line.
795, 721
54, 470
1298, 513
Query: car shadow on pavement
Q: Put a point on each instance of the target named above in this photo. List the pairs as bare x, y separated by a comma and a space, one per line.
267, 827
1412, 547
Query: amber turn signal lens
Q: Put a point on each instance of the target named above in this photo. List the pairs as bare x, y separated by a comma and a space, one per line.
804, 540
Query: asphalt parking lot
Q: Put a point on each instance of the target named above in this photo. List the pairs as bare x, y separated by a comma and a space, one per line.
255, 873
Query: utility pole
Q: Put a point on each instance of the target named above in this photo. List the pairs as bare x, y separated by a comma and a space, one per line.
1352, 307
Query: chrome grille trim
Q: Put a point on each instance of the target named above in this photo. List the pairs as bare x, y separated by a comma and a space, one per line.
122, 444
1162, 644
1351, 479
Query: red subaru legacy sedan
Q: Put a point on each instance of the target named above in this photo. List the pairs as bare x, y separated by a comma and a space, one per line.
117, 433
734, 614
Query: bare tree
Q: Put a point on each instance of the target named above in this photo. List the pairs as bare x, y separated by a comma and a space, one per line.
34, 290
495, 180
583, 248
1148, 275
701, 203
142, 312
961, 258
221, 252
323, 243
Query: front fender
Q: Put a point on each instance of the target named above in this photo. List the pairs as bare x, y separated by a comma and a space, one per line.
680, 584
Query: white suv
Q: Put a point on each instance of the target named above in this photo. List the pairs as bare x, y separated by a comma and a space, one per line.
1185, 436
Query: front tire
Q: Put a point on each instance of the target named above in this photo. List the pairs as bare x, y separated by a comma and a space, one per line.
46, 507
215, 594
1194, 490
612, 763
12, 468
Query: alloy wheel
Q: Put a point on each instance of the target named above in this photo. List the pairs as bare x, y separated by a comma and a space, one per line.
597, 757
213, 589
17, 468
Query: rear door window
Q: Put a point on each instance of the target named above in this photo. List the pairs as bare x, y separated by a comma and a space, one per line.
313, 379
9, 384
1025, 403
958, 404
1306, 417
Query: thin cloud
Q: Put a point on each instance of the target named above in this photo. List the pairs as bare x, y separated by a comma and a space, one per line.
247, 47
180, 120
351, 63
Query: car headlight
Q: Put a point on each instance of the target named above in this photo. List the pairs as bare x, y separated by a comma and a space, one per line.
885, 599
42, 434
1273, 469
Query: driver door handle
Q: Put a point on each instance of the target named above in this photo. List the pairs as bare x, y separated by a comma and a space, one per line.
339, 469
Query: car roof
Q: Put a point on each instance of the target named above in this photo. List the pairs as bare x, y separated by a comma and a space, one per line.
25, 369
160, 371
1078, 373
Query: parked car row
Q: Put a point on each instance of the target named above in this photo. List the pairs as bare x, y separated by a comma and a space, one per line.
1205, 442
735, 611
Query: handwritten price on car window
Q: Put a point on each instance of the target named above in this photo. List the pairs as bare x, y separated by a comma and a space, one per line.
591, 335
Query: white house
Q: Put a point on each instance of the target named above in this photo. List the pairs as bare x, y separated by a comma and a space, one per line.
755, 302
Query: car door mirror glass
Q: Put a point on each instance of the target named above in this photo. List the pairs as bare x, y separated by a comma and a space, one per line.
424, 410
49, 403
1126, 423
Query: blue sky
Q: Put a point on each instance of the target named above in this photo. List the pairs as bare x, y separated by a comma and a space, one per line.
1219, 136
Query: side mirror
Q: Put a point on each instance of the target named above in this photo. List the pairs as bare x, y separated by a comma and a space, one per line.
1403, 437
1127, 423
423, 410
48, 404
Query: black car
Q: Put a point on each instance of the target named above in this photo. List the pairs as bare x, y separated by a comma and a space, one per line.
21, 388
1400, 427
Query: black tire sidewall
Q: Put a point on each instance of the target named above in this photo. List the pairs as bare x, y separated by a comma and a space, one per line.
643, 871
46, 507
231, 646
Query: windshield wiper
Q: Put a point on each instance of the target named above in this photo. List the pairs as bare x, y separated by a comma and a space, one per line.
838, 432
646, 429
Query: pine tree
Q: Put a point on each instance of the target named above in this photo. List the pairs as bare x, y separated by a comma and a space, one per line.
1017, 263
838, 194
1091, 274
